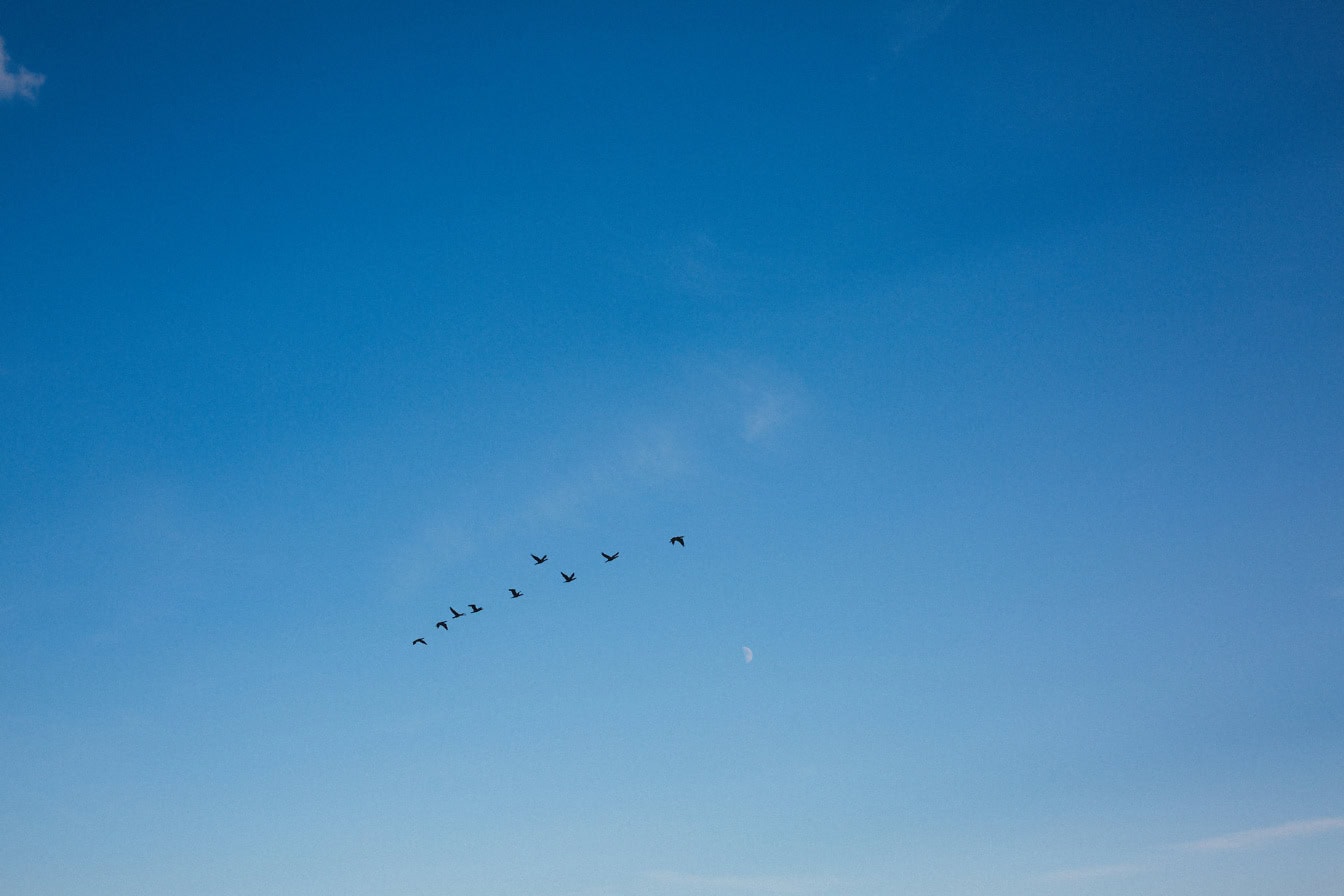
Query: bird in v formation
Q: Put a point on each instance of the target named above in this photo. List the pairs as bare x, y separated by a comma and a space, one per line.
514, 592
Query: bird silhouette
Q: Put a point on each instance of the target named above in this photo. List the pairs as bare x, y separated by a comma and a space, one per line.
456, 615
609, 557
474, 608
677, 539
568, 576
442, 623
419, 641
541, 559
514, 592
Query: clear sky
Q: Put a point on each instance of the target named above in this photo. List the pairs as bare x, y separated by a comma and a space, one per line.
989, 357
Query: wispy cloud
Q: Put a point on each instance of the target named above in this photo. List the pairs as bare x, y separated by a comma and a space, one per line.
17, 82
771, 884
1239, 840
766, 411
921, 20
767, 400
1262, 836
678, 430
648, 454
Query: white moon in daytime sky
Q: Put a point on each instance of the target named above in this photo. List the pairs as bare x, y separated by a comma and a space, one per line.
746, 654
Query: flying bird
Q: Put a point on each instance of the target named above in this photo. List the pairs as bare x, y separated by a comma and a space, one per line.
677, 539
541, 559
514, 592
474, 608
456, 615
609, 557
419, 641
442, 623
568, 576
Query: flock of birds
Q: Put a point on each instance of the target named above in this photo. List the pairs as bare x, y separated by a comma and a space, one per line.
514, 592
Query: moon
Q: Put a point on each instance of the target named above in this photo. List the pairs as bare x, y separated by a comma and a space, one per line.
746, 653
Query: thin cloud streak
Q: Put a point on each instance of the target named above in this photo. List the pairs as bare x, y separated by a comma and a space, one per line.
1261, 836
19, 83
920, 21
1234, 842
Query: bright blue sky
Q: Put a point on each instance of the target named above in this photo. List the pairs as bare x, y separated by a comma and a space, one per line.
990, 357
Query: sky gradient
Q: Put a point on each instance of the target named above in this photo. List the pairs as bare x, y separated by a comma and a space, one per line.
989, 357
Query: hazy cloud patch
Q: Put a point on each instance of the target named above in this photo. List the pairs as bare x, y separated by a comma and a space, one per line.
920, 21
767, 407
1223, 843
17, 82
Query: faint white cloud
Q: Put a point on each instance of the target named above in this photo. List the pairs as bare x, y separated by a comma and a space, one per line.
767, 412
920, 21
698, 266
679, 429
1262, 836
650, 454
19, 82
421, 562
769, 884
767, 403
1239, 840
1095, 872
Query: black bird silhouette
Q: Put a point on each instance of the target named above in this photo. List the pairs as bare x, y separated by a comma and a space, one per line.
541, 559
677, 539
514, 592
419, 641
474, 608
609, 557
456, 615
442, 623
568, 576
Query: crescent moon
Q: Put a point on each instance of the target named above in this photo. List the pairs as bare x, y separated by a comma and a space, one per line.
746, 654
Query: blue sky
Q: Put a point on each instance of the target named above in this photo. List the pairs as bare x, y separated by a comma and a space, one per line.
989, 357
